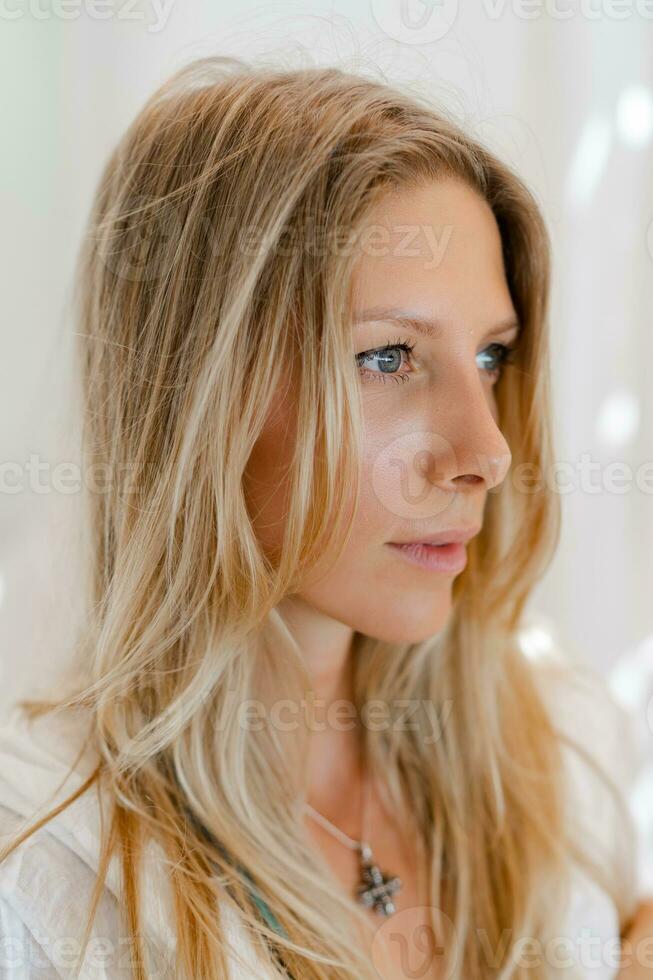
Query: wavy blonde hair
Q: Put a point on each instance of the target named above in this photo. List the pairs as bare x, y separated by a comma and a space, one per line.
183, 337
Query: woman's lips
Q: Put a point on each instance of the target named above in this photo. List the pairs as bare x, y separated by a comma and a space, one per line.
449, 558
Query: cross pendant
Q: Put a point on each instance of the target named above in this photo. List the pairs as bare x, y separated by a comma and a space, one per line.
376, 888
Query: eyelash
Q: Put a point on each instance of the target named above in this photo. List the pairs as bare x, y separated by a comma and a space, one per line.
404, 345
505, 356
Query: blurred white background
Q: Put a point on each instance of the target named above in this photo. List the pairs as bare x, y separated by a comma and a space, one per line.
562, 90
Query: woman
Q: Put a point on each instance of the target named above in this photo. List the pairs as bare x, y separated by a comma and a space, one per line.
313, 349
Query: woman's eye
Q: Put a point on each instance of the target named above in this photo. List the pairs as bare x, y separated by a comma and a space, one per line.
385, 363
493, 359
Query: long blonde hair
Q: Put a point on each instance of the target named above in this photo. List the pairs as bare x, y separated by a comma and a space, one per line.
183, 334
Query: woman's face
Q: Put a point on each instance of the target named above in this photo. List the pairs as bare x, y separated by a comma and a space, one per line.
432, 448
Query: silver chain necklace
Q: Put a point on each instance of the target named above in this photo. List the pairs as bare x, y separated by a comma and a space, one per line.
375, 888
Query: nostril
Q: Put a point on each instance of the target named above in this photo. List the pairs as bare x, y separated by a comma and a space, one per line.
472, 478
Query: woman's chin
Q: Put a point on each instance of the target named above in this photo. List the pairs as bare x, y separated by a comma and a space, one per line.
415, 629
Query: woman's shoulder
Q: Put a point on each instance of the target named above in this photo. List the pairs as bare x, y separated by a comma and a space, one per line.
44, 761
601, 764
48, 880
46, 889
21, 953
602, 761
594, 727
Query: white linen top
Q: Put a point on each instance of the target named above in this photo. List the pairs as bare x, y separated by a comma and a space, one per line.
46, 883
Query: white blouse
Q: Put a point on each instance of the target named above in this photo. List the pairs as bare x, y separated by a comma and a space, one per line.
46, 883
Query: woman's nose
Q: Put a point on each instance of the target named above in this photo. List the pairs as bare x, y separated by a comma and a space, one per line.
475, 452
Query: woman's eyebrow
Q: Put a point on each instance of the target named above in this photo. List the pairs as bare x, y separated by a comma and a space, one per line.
428, 326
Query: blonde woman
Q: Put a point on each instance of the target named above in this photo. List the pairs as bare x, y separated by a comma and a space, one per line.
307, 741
